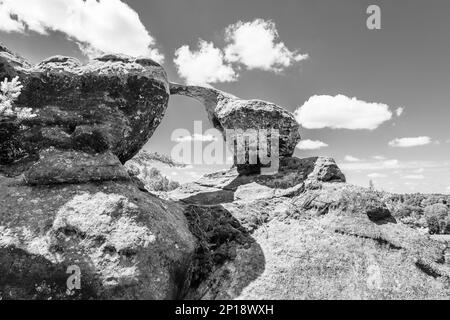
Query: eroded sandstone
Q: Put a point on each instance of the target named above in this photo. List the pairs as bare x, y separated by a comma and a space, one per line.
111, 104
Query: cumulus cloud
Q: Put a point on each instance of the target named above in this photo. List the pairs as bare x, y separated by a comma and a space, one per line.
8, 24
341, 112
410, 142
376, 175
414, 176
311, 144
104, 26
379, 158
399, 111
372, 166
251, 45
197, 137
203, 66
351, 159
394, 165
256, 45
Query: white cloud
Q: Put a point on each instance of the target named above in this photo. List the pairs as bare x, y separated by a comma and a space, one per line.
351, 159
390, 164
256, 45
109, 26
6, 23
410, 142
377, 175
399, 111
341, 112
196, 137
380, 158
414, 176
204, 66
396, 165
377, 165
311, 144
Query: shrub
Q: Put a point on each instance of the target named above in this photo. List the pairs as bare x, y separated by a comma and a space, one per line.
9, 92
437, 217
155, 181
366, 202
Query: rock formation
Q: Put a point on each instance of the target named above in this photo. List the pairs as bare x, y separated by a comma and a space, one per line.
127, 243
290, 180
266, 237
111, 105
66, 200
226, 111
75, 204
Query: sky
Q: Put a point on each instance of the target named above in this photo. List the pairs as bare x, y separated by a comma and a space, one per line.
376, 100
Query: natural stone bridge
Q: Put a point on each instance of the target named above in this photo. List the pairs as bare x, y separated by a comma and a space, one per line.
91, 117
301, 233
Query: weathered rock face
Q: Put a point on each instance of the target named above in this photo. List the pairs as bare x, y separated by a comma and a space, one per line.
229, 185
112, 104
76, 204
226, 111
127, 244
301, 233
306, 235
56, 166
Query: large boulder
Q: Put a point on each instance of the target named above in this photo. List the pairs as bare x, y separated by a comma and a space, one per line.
111, 104
127, 244
67, 203
226, 111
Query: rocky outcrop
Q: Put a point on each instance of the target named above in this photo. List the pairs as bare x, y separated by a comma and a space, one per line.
226, 111
306, 235
66, 200
111, 104
126, 243
67, 203
229, 185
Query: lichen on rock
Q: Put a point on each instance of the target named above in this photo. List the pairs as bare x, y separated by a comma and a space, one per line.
113, 103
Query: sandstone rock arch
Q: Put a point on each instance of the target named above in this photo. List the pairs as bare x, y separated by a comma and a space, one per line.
226, 111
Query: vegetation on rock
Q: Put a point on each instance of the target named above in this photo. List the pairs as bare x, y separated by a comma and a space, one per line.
143, 167
9, 92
